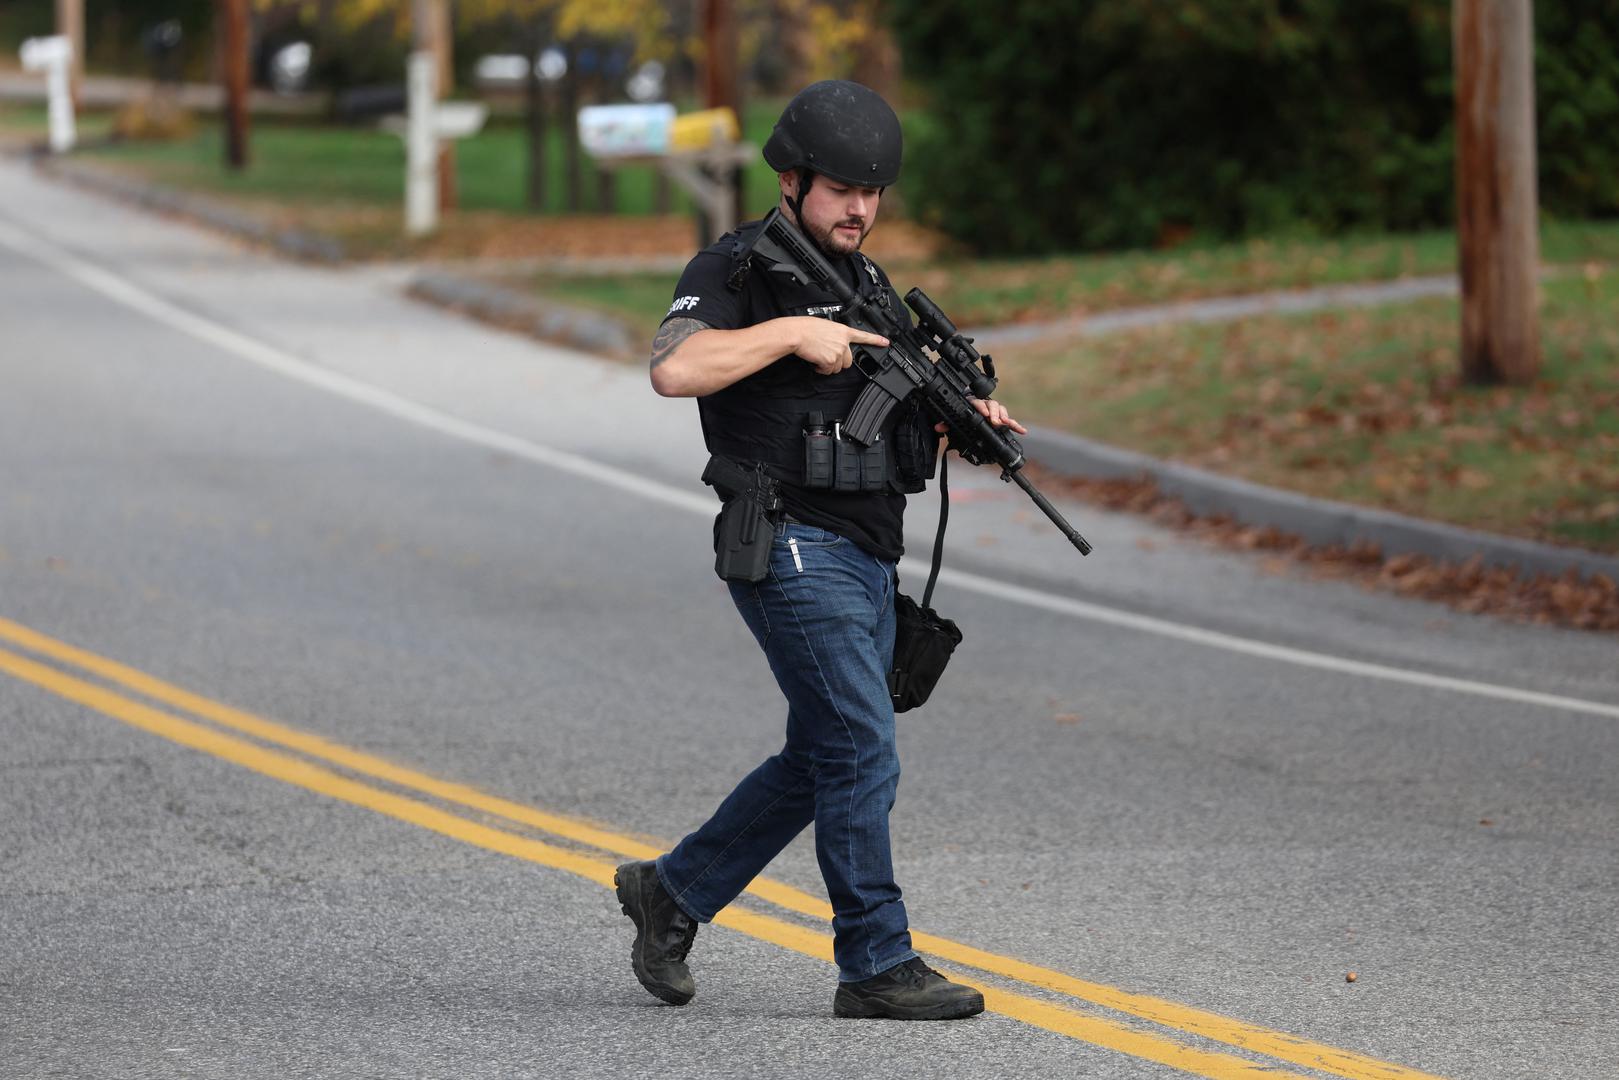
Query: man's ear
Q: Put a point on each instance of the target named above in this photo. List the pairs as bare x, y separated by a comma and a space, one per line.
788, 182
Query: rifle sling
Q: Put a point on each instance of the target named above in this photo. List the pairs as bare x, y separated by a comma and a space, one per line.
938, 539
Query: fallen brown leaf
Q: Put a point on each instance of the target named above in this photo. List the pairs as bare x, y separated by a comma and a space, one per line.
1568, 600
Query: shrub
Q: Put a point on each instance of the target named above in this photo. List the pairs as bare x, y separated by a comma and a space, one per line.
1105, 123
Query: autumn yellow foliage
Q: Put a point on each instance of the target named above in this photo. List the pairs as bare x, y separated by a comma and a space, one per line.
824, 37
643, 21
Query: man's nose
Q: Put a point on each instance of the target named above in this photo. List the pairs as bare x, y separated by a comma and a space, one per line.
859, 204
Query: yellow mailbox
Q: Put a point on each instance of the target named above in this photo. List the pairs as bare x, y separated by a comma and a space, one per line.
704, 130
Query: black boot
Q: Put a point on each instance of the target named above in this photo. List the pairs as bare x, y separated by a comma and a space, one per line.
663, 933
910, 991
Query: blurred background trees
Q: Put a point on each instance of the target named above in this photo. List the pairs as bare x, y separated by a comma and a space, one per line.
1033, 127
1116, 123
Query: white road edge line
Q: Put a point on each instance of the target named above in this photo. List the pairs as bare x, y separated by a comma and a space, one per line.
1214, 639
132, 296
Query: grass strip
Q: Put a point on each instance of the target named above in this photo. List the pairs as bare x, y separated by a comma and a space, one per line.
1364, 406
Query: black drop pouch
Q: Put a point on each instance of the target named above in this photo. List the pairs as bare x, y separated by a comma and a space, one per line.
743, 533
916, 447
923, 642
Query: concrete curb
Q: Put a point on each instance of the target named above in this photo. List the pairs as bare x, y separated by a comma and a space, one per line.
296, 243
576, 327
1319, 521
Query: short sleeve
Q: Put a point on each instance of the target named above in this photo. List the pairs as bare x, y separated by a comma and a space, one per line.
704, 294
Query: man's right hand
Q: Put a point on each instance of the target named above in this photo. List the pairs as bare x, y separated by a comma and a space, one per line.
826, 345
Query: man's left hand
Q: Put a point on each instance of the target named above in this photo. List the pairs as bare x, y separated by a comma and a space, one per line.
994, 412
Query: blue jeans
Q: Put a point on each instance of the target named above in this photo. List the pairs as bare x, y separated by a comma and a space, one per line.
824, 616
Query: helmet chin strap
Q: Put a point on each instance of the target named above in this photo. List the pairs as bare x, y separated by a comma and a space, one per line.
805, 178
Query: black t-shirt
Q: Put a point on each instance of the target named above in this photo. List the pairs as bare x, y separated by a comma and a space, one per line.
873, 520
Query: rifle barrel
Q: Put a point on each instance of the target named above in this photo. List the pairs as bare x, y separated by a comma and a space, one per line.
1052, 512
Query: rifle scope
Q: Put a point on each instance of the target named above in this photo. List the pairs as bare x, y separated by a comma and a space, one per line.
952, 347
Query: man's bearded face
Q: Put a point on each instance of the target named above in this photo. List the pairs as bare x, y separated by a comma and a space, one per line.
837, 216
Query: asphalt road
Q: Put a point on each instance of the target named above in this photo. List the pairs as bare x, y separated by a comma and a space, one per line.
345, 645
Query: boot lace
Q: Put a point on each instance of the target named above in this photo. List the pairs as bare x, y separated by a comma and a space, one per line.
918, 972
687, 932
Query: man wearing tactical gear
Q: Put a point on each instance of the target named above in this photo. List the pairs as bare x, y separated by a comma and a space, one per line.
770, 371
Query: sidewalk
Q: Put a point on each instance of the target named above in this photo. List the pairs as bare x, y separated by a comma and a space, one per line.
1220, 309
1315, 521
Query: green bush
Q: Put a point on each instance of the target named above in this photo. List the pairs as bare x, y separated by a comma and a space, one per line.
1577, 88
1108, 123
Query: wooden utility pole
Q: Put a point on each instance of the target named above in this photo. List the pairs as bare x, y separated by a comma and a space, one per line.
722, 86
234, 71
1496, 197
430, 26
70, 24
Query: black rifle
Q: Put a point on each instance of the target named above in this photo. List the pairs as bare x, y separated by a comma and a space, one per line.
947, 384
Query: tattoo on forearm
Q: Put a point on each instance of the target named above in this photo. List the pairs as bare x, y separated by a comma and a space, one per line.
671, 334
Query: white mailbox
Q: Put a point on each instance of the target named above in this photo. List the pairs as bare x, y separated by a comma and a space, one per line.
626, 130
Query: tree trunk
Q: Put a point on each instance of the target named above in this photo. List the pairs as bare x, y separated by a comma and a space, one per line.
538, 182
570, 129
1496, 199
600, 92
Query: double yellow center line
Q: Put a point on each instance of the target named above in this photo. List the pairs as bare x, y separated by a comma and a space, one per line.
1174, 1035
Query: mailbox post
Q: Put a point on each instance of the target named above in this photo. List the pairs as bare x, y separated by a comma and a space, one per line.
54, 56
425, 125
701, 152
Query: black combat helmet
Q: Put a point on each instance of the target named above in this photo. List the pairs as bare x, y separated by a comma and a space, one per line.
841, 130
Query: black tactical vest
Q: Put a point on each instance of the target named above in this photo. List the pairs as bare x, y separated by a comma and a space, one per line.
762, 418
